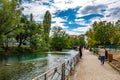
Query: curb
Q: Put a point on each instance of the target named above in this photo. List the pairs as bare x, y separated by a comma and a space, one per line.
114, 67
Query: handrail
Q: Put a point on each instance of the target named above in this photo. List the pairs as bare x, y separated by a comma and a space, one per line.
59, 72
46, 72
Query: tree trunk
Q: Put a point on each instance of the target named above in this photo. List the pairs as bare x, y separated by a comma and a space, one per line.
20, 42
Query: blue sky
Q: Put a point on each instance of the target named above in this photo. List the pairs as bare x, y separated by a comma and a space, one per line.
74, 16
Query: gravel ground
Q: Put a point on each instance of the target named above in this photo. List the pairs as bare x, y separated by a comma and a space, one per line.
89, 68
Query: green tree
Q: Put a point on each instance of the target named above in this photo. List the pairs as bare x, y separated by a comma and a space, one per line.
115, 33
22, 34
81, 40
47, 25
30, 32
31, 17
104, 33
47, 22
9, 18
91, 41
34, 35
59, 39
46, 28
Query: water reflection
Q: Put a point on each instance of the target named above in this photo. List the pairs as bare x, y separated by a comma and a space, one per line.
25, 67
17, 58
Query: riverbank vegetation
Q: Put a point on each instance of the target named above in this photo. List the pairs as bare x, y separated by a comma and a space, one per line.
20, 34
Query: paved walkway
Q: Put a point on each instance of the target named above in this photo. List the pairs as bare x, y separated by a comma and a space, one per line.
89, 68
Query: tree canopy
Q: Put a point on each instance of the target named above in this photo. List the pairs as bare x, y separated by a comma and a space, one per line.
104, 33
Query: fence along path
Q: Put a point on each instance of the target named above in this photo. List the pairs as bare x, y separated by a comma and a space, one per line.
59, 72
89, 68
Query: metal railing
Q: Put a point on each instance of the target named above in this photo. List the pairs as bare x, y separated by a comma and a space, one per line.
60, 72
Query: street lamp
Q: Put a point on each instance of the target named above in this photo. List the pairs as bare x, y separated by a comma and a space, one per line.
104, 33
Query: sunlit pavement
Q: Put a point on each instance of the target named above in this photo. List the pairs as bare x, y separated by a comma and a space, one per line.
89, 68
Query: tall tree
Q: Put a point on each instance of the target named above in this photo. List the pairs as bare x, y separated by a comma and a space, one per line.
46, 27
47, 22
31, 17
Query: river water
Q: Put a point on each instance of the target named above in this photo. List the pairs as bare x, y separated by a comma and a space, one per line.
25, 67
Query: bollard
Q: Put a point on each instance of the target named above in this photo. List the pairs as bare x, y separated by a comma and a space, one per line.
110, 57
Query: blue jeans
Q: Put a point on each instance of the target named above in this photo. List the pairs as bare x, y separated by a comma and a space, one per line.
102, 59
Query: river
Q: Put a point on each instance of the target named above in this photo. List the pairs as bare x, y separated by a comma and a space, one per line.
25, 67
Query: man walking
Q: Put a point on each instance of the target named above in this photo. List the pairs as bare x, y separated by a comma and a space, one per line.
80, 51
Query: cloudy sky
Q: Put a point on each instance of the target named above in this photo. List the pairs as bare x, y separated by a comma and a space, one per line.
74, 16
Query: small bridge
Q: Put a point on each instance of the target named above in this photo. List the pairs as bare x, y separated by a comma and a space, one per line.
87, 68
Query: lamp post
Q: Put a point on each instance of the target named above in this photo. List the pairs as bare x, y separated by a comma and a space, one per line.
104, 33
111, 45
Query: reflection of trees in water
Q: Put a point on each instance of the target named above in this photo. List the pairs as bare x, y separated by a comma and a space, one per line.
22, 70
18, 58
3, 59
37, 68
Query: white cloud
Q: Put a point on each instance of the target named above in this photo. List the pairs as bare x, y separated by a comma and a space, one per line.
58, 19
111, 11
78, 31
38, 6
96, 6
37, 9
91, 9
38, 12
73, 32
70, 23
81, 29
58, 22
81, 21
66, 4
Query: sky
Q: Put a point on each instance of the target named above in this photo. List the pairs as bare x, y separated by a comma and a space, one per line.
74, 16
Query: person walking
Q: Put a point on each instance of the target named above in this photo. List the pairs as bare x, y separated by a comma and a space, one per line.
106, 54
102, 58
80, 51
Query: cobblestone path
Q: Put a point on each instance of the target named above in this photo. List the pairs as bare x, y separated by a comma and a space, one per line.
89, 68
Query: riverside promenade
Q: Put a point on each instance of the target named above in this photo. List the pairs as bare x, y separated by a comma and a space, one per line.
89, 68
